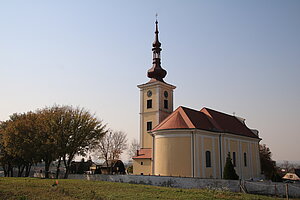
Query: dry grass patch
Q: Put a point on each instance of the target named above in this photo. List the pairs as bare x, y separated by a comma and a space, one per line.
67, 189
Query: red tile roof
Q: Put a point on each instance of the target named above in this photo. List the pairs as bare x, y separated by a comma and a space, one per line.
205, 119
143, 153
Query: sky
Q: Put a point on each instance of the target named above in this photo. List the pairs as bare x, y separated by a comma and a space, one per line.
233, 56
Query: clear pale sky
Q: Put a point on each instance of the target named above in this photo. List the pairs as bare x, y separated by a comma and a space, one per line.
231, 56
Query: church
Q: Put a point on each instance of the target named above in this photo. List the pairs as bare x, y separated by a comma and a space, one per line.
187, 142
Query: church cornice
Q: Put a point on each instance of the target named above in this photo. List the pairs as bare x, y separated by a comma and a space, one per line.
156, 83
203, 132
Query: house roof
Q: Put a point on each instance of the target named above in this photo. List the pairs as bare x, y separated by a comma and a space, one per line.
291, 176
205, 119
143, 154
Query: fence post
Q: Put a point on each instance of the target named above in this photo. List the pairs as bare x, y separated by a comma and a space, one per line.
242, 186
287, 191
275, 190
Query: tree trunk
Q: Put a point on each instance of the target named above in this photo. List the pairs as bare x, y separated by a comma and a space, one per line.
57, 168
67, 165
5, 169
20, 170
111, 168
108, 167
47, 167
27, 169
10, 170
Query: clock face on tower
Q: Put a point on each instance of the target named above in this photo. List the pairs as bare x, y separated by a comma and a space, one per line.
166, 94
149, 93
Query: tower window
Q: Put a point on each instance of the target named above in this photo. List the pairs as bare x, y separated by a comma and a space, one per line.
245, 159
149, 103
234, 159
149, 126
166, 106
142, 163
208, 159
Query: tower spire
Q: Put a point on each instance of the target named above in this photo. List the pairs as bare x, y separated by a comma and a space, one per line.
156, 72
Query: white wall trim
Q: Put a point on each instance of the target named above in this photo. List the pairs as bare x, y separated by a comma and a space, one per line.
141, 118
249, 158
198, 159
240, 160
153, 156
214, 157
158, 104
172, 135
211, 134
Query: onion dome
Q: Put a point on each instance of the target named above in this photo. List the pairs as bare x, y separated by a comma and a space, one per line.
156, 72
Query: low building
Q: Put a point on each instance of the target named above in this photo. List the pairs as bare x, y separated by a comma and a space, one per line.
81, 167
113, 167
294, 175
142, 161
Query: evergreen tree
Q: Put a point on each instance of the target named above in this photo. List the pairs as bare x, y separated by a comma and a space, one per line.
268, 165
229, 171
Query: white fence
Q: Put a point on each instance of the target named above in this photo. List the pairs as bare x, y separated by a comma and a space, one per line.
264, 188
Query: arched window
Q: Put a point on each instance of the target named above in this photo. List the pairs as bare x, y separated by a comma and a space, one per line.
208, 159
245, 159
234, 159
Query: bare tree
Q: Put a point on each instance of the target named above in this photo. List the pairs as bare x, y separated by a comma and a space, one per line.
134, 146
112, 145
287, 166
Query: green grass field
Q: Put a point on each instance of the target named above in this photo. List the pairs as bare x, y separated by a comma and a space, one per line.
31, 188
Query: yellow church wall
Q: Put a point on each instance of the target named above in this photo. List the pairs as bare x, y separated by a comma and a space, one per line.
169, 98
224, 151
207, 141
147, 138
233, 147
157, 98
255, 159
153, 97
254, 162
227, 145
172, 156
245, 169
142, 167
157, 112
217, 157
208, 147
198, 157
258, 159
242, 145
172, 150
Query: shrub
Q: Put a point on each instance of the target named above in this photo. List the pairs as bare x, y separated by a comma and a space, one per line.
229, 171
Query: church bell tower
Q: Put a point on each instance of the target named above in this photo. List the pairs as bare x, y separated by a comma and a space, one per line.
156, 96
